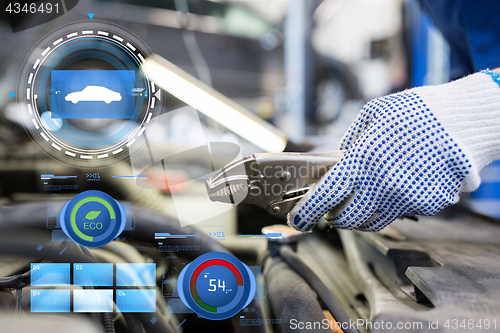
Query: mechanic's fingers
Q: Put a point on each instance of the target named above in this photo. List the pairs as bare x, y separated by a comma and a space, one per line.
351, 213
377, 223
333, 188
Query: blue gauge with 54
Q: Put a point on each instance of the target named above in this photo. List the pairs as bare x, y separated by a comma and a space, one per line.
216, 285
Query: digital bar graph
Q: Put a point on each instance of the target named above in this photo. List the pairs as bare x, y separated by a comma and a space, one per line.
50, 274
50, 300
136, 300
136, 275
90, 300
93, 274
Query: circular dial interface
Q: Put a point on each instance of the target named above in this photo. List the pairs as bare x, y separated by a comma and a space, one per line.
216, 285
92, 218
84, 95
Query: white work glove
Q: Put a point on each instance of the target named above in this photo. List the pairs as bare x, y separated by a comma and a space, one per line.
409, 153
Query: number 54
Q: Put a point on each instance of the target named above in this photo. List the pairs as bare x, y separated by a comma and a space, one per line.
211, 283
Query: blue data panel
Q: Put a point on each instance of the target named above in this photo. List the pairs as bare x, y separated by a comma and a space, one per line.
93, 94
50, 300
93, 300
96, 275
136, 275
50, 274
136, 300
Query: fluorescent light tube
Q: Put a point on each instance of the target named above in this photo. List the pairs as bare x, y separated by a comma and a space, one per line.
214, 105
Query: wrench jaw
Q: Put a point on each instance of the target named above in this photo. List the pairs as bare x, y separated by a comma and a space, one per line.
274, 181
254, 188
233, 191
231, 183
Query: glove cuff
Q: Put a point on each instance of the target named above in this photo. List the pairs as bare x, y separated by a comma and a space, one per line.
469, 111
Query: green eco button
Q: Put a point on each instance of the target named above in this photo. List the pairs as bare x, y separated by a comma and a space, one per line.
82, 202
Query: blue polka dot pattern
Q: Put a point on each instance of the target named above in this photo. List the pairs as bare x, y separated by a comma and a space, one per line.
399, 161
494, 75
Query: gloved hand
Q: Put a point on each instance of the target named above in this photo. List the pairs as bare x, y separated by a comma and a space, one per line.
403, 157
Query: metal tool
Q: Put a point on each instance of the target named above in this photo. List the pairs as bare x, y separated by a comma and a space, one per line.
274, 181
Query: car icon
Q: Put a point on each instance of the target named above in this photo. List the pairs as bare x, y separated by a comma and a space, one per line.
94, 94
